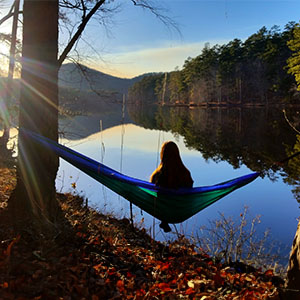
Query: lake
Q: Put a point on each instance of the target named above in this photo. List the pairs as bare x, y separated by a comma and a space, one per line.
215, 144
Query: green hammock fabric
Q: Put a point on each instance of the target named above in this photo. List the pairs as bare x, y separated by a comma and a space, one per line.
169, 205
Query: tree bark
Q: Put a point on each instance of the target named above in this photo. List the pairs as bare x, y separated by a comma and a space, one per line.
293, 274
34, 196
9, 84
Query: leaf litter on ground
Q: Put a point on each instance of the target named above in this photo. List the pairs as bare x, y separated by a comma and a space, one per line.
96, 256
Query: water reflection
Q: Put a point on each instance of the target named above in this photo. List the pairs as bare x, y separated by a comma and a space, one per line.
216, 145
255, 137
81, 126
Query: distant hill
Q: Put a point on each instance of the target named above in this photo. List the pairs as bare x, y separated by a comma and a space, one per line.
84, 78
83, 90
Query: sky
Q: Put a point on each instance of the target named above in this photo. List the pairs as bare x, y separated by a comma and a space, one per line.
136, 42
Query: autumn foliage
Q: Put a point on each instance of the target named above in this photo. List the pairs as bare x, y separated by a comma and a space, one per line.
93, 256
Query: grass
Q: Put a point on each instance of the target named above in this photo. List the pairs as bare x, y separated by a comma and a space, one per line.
230, 240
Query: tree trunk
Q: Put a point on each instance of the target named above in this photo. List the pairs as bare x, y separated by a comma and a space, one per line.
4, 138
8, 97
34, 196
293, 274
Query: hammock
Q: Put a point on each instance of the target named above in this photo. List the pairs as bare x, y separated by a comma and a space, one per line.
168, 205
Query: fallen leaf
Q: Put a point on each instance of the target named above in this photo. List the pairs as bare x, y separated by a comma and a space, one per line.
189, 291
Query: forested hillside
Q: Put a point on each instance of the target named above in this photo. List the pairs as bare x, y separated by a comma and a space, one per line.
82, 89
253, 71
81, 77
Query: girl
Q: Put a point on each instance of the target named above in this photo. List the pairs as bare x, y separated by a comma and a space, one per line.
171, 172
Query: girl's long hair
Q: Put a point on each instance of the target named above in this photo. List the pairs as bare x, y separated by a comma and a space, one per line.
171, 170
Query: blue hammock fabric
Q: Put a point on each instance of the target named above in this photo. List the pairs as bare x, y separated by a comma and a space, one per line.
168, 205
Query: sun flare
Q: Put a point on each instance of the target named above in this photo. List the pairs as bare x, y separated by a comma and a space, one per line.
4, 53
4, 49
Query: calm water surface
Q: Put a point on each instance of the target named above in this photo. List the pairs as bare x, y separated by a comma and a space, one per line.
134, 151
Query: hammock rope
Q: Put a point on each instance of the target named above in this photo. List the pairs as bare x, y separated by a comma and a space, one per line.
168, 205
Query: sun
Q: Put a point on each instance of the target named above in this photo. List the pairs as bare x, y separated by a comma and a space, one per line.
4, 61
4, 49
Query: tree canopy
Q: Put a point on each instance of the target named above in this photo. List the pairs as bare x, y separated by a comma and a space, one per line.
238, 72
294, 60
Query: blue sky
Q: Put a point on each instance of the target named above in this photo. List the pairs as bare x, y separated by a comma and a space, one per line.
140, 43
136, 42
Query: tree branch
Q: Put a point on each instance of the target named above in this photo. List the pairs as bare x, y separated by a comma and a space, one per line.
67, 4
289, 122
83, 9
79, 32
5, 18
87, 14
158, 13
9, 15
